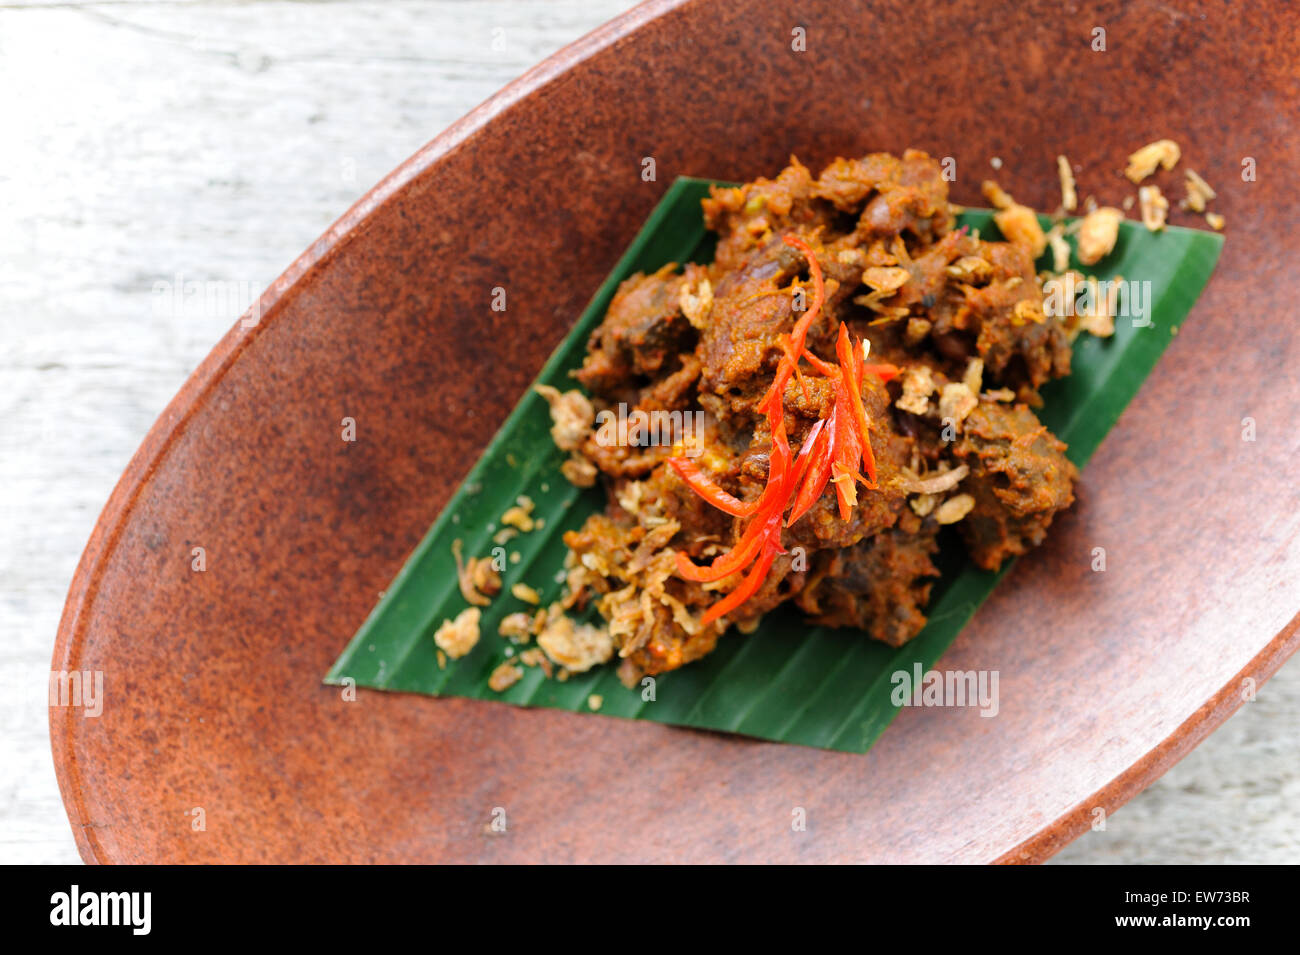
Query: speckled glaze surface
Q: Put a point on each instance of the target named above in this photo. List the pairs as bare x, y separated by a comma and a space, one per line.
211, 679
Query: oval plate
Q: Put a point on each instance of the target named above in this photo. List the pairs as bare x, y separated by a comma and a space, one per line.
213, 697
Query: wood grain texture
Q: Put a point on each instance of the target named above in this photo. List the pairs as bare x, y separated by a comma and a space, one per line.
216, 141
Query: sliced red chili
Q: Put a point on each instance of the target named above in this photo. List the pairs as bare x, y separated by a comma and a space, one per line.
701, 484
733, 560
767, 506
805, 455
848, 448
883, 370
823, 368
819, 472
851, 365
831, 450
748, 587
789, 365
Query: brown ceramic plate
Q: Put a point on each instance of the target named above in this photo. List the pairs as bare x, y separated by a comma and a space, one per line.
212, 679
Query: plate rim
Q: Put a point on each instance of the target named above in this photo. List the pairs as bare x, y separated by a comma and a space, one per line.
354, 223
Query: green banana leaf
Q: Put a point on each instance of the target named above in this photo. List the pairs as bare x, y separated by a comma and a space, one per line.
787, 681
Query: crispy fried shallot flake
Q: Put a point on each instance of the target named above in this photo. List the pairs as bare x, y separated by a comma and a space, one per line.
971, 269
516, 626
1099, 318
528, 595
1060, 248
954, 509
696, 302
1154, 206
579, 471
576, 647
1026, 311
885, 279
918, 385
1097, 234
1143, 162
1069, 197
629, 497
458, 637
521, 515
1198, 191
956, 401
923, 504
533, 657
935, 483
571, 416
504, 676
477, 577
996, 195
1019, 224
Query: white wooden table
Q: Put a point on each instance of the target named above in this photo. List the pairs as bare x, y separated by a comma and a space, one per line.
164, 142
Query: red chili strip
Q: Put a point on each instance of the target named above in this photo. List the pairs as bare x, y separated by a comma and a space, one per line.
693, 475
748, 587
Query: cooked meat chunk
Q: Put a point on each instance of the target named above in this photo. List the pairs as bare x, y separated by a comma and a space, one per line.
1019, 477
889, 333
880, 585
642, 337
750, 309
